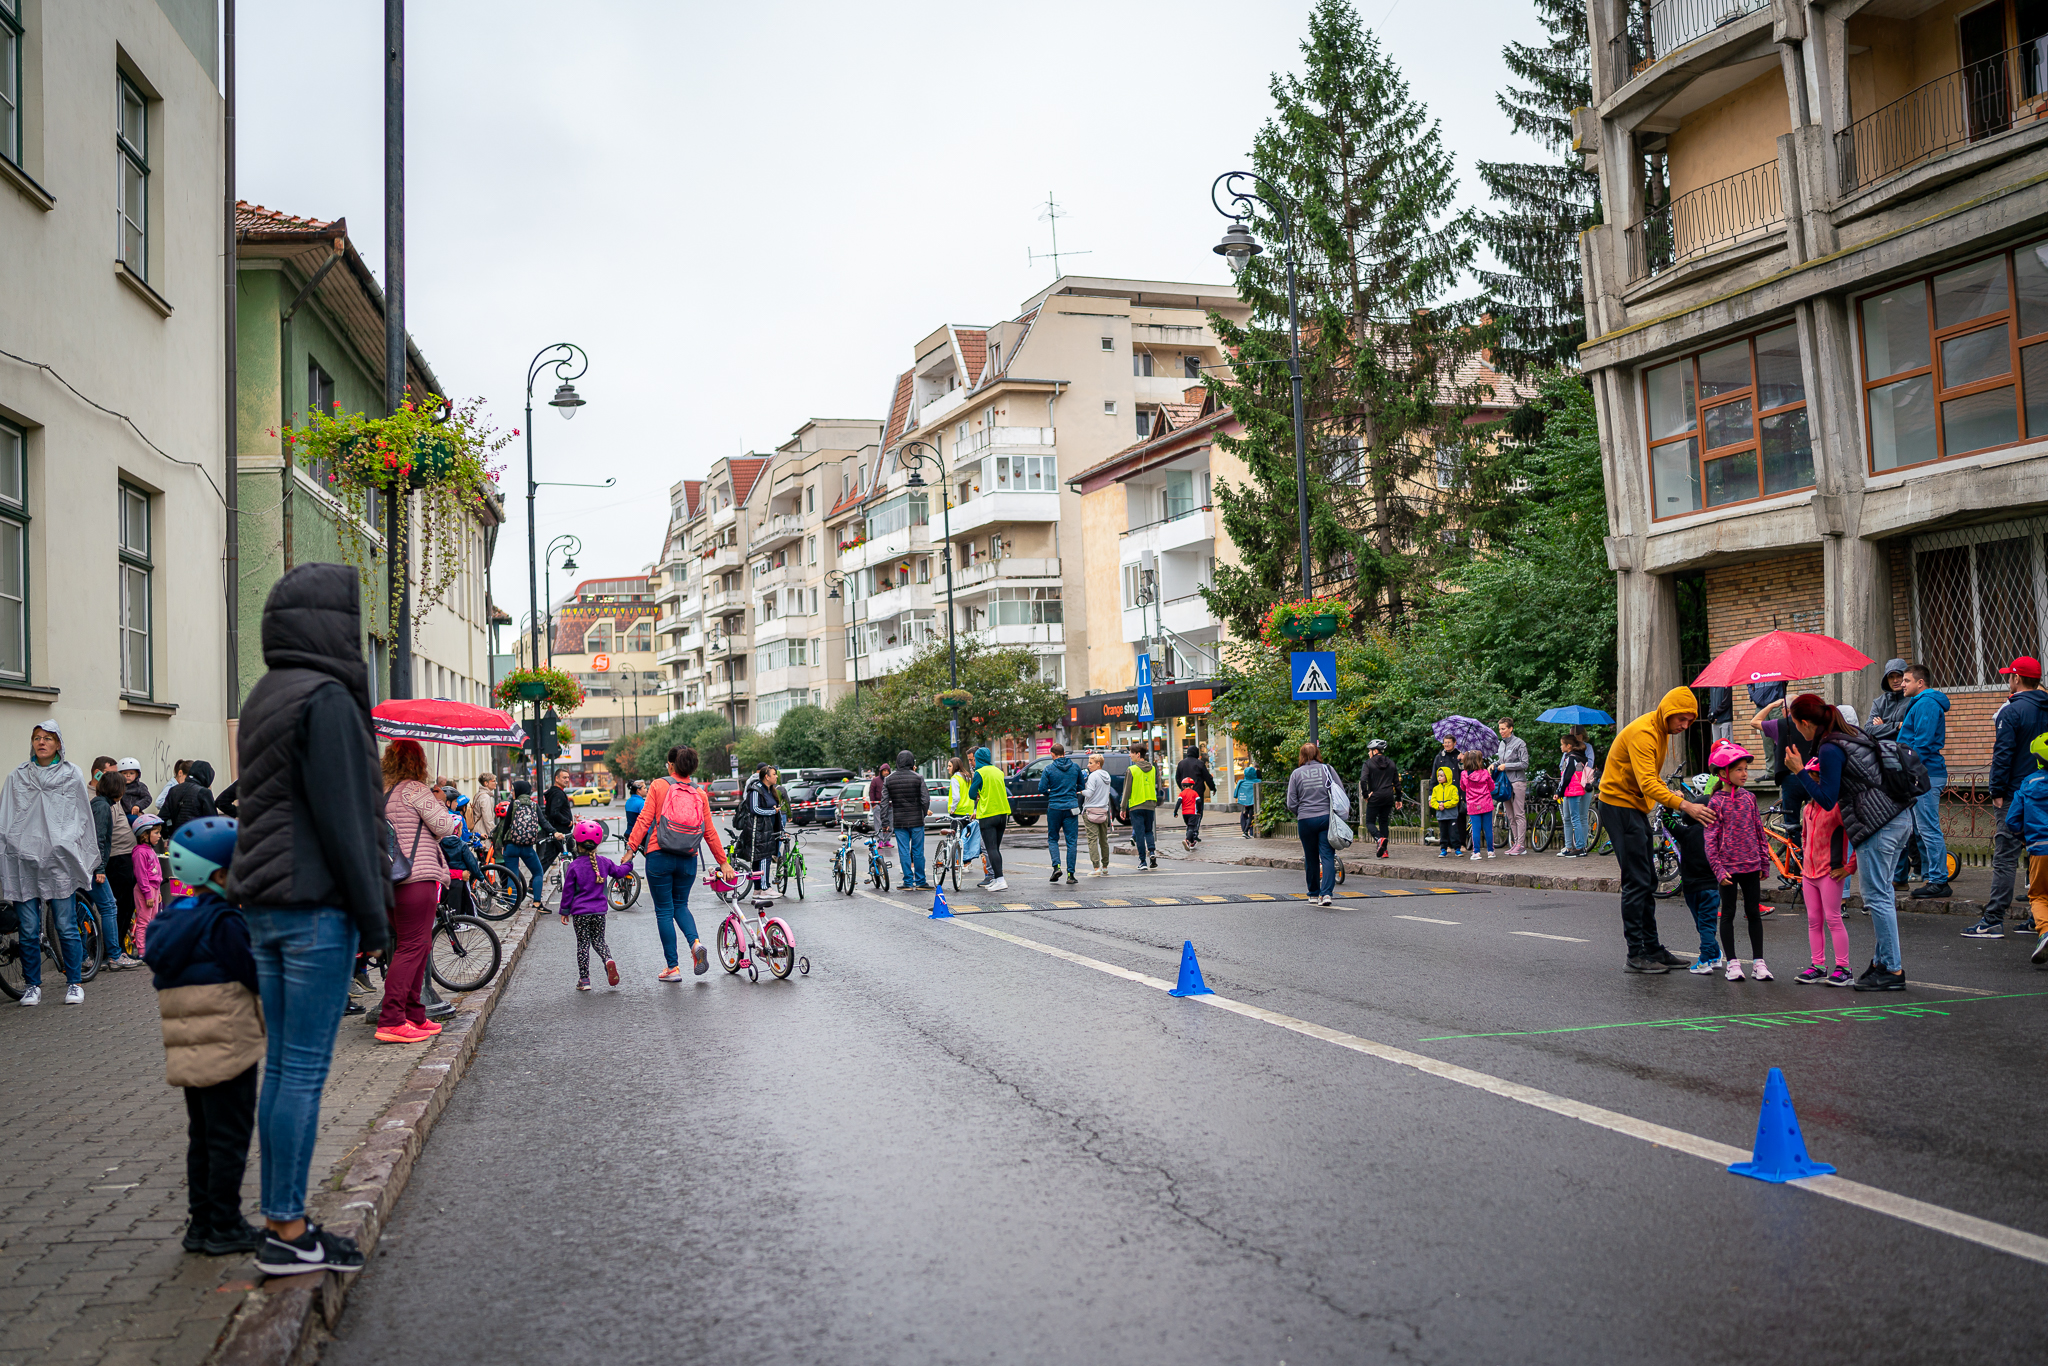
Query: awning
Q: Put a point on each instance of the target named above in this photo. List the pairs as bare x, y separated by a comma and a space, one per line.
1192, 698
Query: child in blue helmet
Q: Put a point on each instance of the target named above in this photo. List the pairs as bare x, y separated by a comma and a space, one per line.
2026, 815
198, 952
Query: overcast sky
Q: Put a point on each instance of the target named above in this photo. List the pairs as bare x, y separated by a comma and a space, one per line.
749, 214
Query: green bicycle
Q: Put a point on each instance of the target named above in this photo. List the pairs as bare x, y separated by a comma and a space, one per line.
789, 865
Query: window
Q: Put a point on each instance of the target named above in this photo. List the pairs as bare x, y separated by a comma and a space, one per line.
814, 602
810, 498
1191, 367
10, 80
1109, 407
1052, 669
13, 552
1144, 424
1729, 425
924, 569
641, 638
1109, 343
1977, 598
131, 209
1141, 363
135, 585
1177, 499
1027, 606
905, 509
1026, 474
1134, 586
1941, 357
598, 639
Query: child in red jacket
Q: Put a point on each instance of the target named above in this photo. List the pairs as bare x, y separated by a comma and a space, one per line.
1190, 807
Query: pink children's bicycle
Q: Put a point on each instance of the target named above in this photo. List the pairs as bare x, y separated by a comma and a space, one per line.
748, 941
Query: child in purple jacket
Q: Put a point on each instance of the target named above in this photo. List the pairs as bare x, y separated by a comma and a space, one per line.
1735, 849
583, 900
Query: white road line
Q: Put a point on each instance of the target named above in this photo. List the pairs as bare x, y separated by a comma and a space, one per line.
1561, 938
1967, 991
1424, 919
1968, 1227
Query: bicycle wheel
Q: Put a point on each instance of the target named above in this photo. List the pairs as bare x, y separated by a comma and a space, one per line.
882, 873
465, 953
729, 946
955, 862
621, 892
95, 946
1543, 827
796, 871
13, 977
1667, 868
500, 893
782, 876
780, 953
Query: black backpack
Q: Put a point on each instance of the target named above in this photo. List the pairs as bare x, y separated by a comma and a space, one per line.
1905, 777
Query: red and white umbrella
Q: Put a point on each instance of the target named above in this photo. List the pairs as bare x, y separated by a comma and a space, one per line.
1779, 657
448, 723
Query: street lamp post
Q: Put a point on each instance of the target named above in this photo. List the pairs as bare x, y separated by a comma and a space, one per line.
1238, 247
914, 454
834, 578
569, 363
572, 546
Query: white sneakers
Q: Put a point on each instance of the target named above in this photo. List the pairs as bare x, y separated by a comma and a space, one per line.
74, 995
32, 997
999, 885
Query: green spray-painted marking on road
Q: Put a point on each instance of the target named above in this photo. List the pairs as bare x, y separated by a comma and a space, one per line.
1710, 1024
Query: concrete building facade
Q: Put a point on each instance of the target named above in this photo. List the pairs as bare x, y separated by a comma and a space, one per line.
1818, 321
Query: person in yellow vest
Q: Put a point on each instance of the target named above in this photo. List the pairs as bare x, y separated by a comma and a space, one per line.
991, 797
1632, 787
1141, 805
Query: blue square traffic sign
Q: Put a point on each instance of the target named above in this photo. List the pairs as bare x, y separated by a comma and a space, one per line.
1315, 675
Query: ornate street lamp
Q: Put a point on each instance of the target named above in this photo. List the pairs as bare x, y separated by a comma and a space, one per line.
911, 455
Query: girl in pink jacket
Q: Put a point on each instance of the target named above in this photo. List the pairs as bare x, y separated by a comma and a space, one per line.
149, 875
1477, 782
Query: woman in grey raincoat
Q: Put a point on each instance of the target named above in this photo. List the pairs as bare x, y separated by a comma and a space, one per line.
48, 849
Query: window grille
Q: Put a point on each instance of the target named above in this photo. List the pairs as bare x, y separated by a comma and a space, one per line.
1979, 596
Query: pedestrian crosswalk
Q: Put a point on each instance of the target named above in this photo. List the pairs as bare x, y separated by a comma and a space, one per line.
963, 905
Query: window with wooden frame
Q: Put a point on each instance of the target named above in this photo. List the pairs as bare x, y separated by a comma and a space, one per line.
131, 186
13, 553
1957, 363
1728, 425
137, 572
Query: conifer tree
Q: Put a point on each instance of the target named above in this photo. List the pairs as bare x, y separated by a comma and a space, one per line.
1370, 191
1538, 299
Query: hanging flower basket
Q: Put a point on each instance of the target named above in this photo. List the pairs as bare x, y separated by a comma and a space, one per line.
556, 688
955, 697
1302, 620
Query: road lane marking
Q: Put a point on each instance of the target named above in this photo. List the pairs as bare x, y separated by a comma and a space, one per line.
1872, 1011
1425, 919
1940, 986
1956, 1224
1560, 938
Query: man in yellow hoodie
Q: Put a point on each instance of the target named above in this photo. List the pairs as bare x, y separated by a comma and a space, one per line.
1631, 787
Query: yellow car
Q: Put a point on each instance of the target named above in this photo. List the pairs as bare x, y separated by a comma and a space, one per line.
589, 796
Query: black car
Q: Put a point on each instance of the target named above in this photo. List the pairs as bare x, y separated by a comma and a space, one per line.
1027, 803
813, 804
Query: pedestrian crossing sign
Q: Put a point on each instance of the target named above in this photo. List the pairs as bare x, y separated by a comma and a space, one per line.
1144, 712
1315, 675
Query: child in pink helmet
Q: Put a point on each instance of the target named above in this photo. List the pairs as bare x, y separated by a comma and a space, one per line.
1735, 851
583, 900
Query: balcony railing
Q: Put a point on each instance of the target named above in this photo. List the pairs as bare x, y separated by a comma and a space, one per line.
966, 447
780, 527
1657, 30
1979, 101
1742, 207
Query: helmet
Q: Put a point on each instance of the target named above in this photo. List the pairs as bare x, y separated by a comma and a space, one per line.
587, 832
202, 848
460, 802
2040, 748
503, 807
1726, 752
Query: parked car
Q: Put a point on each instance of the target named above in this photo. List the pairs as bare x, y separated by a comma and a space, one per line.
724, 794
854, 808
816, 776
1027, 803
813, 803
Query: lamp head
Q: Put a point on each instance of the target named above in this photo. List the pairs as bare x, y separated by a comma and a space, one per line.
1238, 245
569, 565
566, 400
915, 479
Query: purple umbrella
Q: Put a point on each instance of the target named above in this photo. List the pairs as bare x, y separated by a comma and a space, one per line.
1468, 734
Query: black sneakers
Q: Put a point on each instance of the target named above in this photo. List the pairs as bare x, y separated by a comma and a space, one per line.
1649, 965
314, 1250
1055, 875
1876, 978
1669, 959
1932, 891
226, 1243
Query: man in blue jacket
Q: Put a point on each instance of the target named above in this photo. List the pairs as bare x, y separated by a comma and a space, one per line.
1923, 728
2019, 721
2027, 817
1061, 783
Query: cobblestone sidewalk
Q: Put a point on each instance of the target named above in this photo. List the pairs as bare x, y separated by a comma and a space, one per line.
92, 1196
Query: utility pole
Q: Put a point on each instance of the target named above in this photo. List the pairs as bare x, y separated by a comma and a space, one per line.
394, 334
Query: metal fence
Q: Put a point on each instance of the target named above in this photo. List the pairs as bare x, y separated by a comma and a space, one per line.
1978, 101
1734, 209
1657, 30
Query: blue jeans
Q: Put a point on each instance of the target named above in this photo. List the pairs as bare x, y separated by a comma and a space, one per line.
98, 902
303, 963
1141, 834
1482, 832
524, 856
1575, 822
669, 878
65, 909
1877, 857
1704, 901
1318, 859
1068, 822
910, 853
1927, 824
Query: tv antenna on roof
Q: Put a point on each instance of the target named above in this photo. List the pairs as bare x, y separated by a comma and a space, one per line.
1053, 214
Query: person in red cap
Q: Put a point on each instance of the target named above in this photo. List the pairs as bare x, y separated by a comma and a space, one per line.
2024, 716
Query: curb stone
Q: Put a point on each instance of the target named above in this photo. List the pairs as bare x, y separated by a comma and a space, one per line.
285, 1320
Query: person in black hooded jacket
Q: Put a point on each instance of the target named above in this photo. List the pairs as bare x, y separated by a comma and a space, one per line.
190, 799
311, 873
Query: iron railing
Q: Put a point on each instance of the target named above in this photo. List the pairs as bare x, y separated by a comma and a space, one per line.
1657, 30
1975, 102
1735, 209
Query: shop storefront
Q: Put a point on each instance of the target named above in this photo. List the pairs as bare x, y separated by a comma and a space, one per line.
1180, 713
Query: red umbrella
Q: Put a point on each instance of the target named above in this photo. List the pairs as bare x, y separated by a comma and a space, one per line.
447, 723
1780, 657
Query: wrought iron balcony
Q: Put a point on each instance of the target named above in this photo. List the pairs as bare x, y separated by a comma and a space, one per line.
1736, 209
1981, 100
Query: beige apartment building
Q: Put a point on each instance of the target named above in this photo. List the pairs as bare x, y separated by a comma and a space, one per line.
114, 613
1818, 319
603, 633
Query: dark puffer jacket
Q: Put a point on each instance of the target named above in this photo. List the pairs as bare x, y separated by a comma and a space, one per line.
311, 799
189, 800
1866, 806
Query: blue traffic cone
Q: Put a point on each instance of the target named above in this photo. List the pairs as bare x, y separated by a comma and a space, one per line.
940, 911
1780, 1150
1191, 983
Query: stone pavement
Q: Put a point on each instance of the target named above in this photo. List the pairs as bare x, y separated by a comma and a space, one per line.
92, 1194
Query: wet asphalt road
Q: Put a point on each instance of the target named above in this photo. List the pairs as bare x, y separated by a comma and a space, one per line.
946, 1147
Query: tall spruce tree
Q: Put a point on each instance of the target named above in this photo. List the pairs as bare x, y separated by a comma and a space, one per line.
1384, 345
1538, 299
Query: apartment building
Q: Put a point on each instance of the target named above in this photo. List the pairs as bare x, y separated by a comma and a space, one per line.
113, 509
983, 428
1817, 317
797, 619
603, 632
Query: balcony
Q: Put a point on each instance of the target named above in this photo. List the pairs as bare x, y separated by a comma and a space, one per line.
762, 580
941, 407
898, 600
717, 558
671, 624
781, 680
1000, 439
675, 654
1003, 509
1744, 207
988, 572
1983, 100
781, 628
893, 546
1045, 633
720, 645
722, 518
731, 600
780, 529
1657, 30
1182, 531
1188, 616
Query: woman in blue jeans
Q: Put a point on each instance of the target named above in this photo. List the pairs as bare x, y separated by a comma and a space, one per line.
671, 873
1312, 789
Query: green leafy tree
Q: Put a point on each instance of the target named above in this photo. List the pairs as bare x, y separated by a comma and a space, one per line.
800, 735
1384, 344
902, 711
1537, 298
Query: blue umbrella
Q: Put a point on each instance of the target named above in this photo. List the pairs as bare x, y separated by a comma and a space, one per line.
1468, 734
1576, 716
